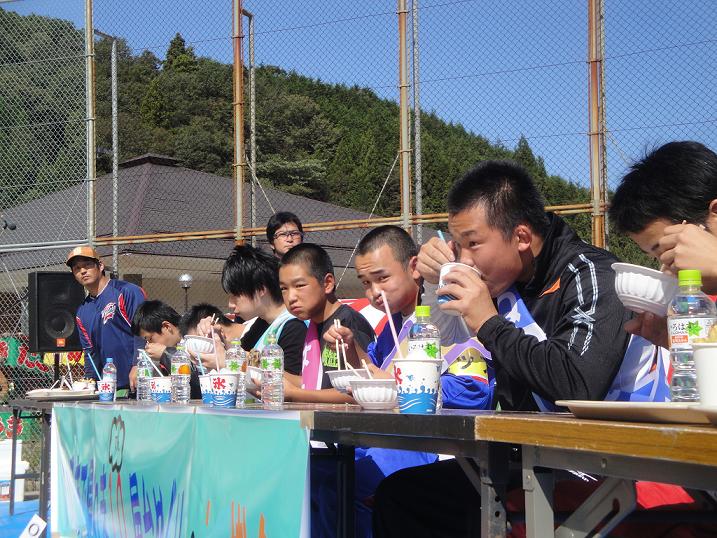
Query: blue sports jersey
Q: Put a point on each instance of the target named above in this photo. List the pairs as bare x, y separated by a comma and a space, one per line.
458, 391
104, 324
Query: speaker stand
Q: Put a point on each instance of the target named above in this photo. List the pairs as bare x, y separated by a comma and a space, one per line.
57, 367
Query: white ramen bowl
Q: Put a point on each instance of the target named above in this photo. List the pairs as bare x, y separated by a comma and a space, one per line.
642, 289
199, 344
340, 378
374, 393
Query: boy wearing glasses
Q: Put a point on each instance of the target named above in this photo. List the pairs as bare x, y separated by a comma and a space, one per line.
284, 232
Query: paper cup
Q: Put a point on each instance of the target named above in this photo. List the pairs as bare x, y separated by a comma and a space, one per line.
705, 357
107, 390
160, 388
205, 384
445, 269
418, 383
224, 389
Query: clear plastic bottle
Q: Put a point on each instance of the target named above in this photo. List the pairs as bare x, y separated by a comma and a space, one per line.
144, 373
235, 356
109, 373
181, 372
236, 361
272, 374
426, 336
689, 316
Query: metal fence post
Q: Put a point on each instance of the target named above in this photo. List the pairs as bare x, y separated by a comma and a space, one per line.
90, 120
417, 124
596, 126
238, 109
405, 150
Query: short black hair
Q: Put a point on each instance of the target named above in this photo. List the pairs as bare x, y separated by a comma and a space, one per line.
249, 270
198, 312
675, 182
313, 257
151, 314
277, 220
506, 192
399, 240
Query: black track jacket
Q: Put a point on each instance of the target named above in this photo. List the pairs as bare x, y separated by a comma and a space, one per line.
572, 297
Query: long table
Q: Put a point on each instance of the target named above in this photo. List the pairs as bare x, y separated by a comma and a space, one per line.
671, 453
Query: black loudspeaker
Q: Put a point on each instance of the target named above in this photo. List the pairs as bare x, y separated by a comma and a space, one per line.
54, 298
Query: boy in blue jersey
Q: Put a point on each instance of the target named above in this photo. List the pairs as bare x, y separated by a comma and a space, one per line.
104, 319
386, 261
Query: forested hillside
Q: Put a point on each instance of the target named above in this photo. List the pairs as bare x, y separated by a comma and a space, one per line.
330, 142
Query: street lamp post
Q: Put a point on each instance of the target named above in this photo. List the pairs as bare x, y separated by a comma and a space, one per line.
185, 280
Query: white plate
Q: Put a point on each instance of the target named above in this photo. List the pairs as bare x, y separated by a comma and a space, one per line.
51, 394
669, 412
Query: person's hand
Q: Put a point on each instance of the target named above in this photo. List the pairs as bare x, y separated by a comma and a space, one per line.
133, 379
688, 246
432, 255
472, 297
651, 327
207, 326
339, 334
155, 351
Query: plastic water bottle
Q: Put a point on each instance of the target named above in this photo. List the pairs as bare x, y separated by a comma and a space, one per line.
144, 373
272, 374
689, 316
181, 371
425, 336
109, 374
236, 361
235, 356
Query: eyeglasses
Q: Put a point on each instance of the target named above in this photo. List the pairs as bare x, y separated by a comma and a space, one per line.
286, 235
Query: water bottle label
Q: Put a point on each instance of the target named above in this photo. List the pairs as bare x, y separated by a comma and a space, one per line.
276, 364
145, 372
234, 365
264, 363
432, 347
175, 368
684, 331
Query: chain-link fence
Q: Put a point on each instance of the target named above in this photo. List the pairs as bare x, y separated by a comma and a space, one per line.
321, 119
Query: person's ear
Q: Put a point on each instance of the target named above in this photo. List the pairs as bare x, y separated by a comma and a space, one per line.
523, 236
166, 327
329, 284
711, 221
412, 268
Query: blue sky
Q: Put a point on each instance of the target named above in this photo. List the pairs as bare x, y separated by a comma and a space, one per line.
501, 69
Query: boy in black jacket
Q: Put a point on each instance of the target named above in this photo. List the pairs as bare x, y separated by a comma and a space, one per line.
572, 350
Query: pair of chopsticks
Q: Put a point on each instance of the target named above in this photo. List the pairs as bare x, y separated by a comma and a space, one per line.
340, 348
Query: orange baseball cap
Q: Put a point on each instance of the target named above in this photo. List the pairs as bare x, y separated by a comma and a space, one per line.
84, 252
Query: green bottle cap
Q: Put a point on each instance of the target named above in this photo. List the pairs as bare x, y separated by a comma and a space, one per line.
423, 311
689, 277
235, 342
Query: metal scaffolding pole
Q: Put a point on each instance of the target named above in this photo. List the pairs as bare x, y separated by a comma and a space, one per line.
115, 149
418, 180
239, 165
252, 122
90, 171
405, 150
596, 132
